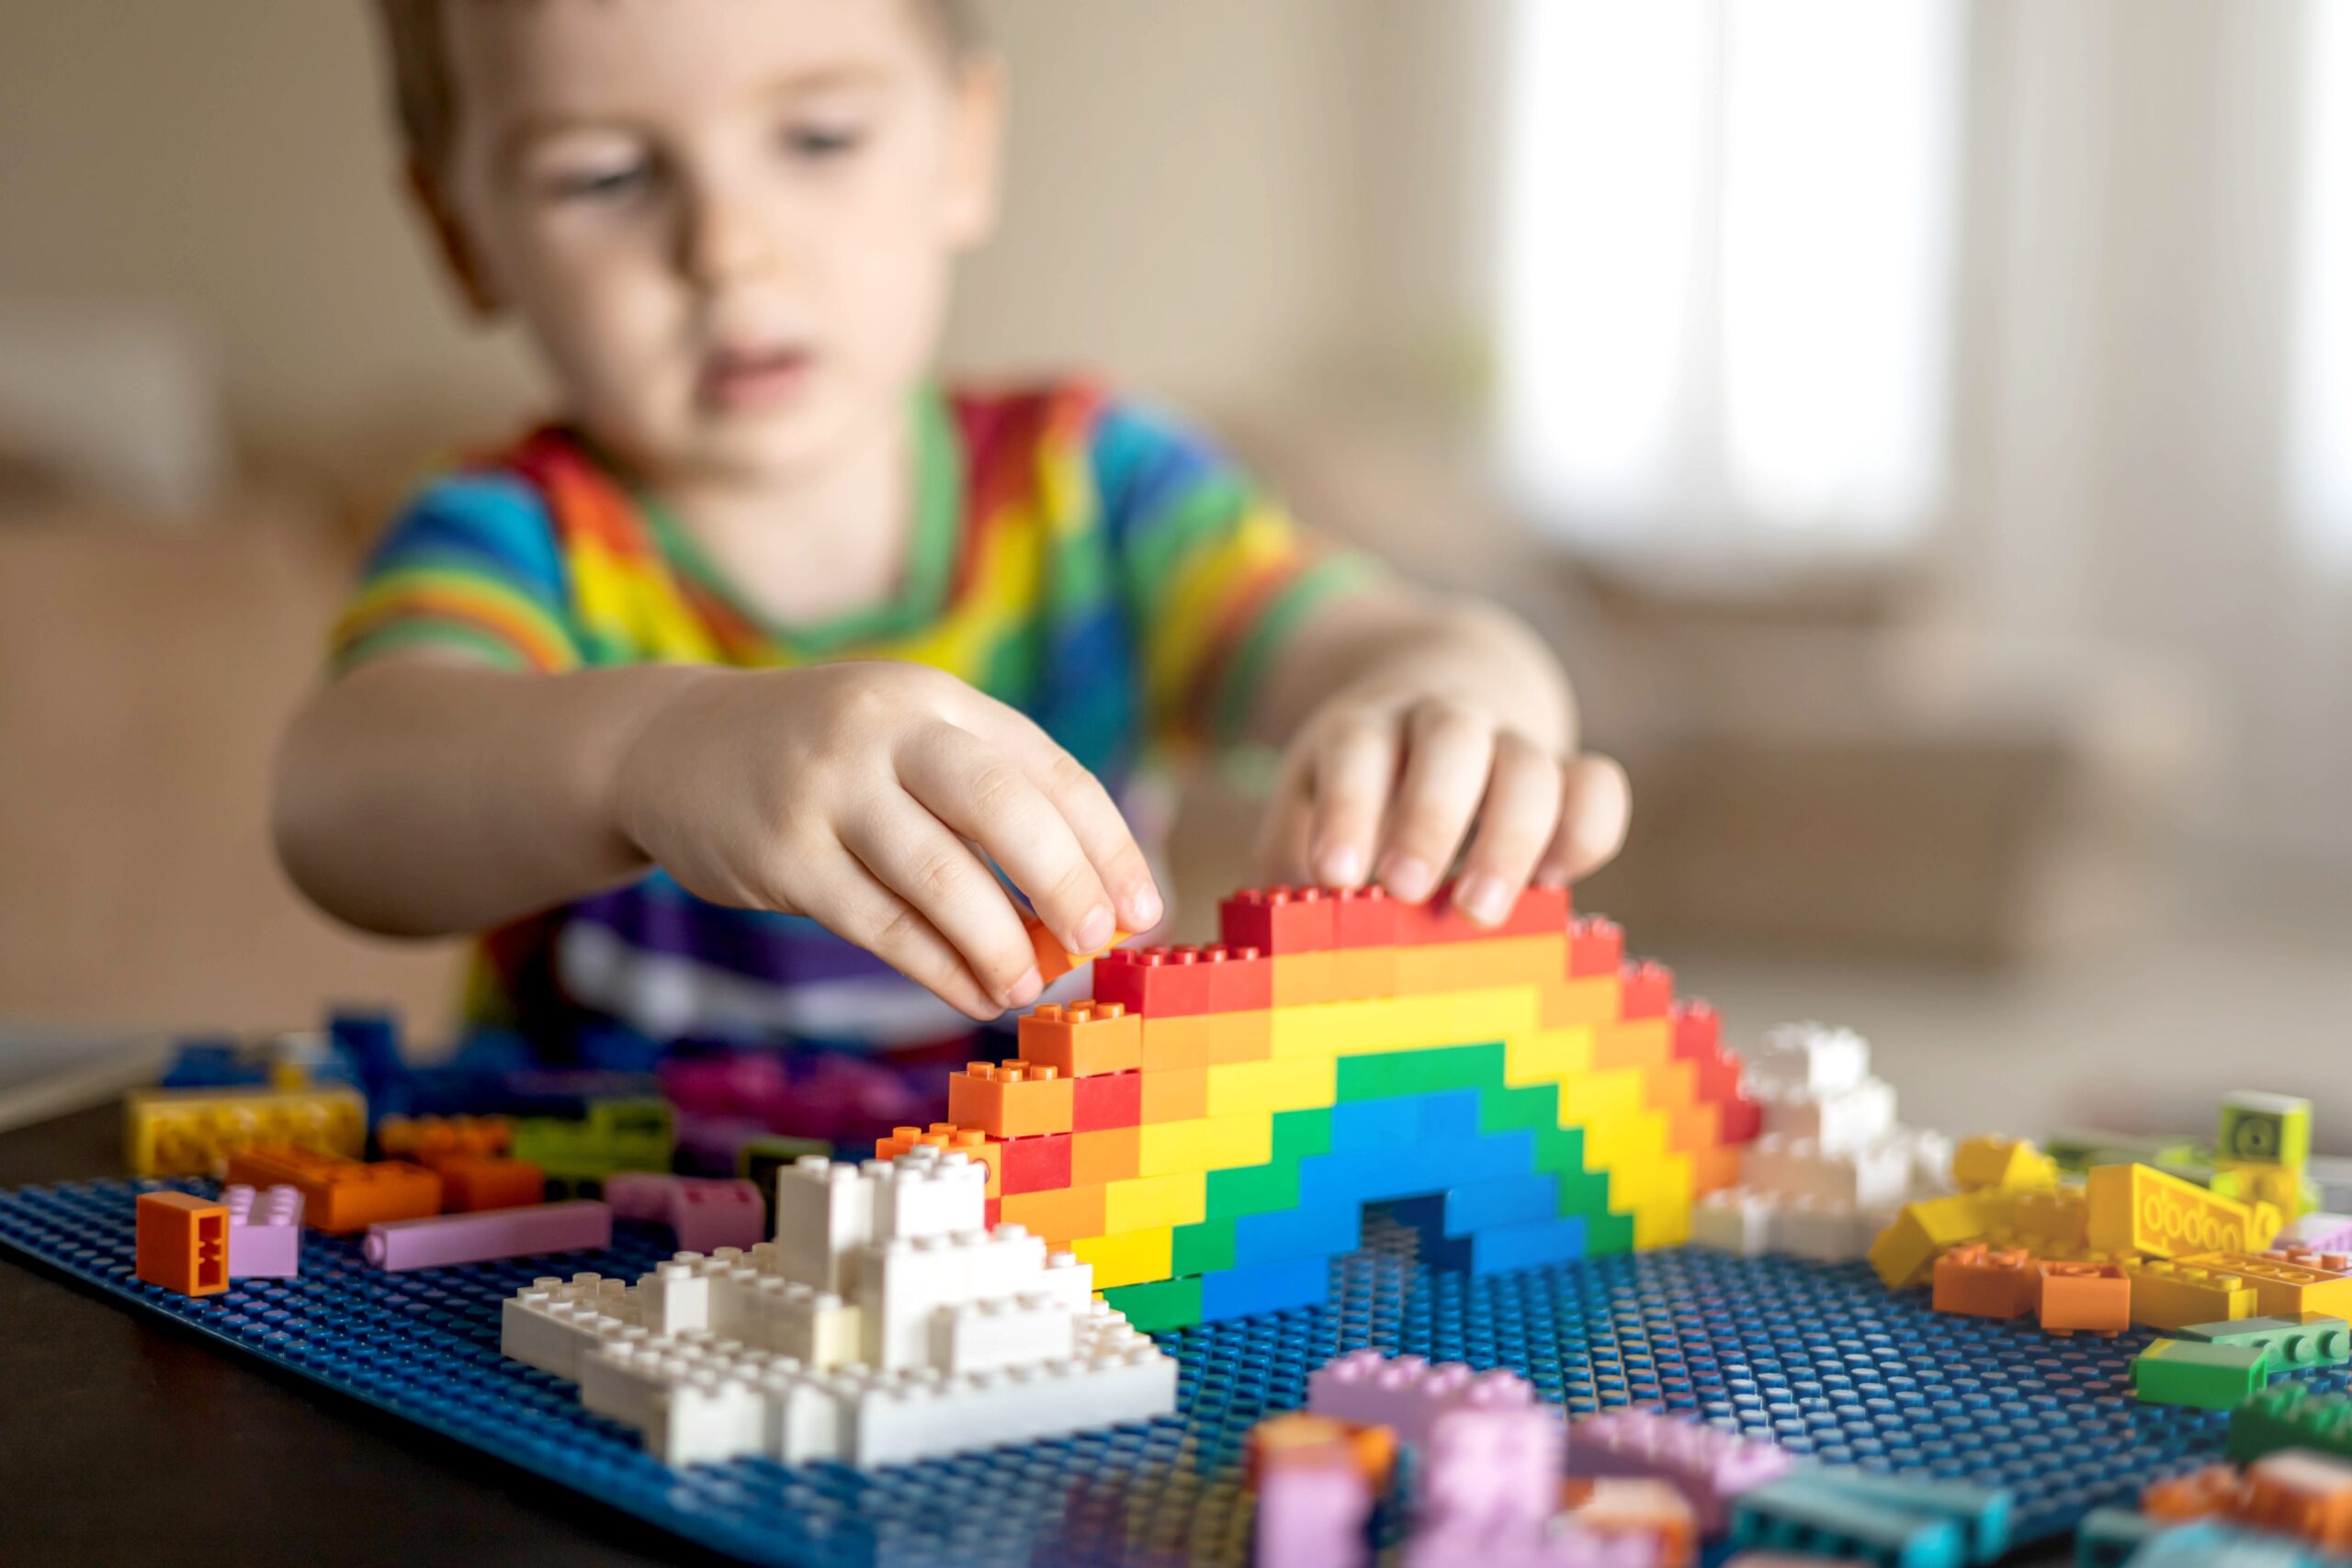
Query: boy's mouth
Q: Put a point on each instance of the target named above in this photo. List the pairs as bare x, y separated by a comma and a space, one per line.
738, 380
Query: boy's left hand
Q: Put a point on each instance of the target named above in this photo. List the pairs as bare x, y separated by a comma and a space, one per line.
1393, 776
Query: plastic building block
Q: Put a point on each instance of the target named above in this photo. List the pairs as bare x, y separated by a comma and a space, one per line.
194, 1131
2091, 1298
2134, 1207
265, 1232
2272, 1129
1083, 1039
1709, 1465
1977, 1281
2300, 1494
1406, 1393
2279, 1186
2317, 1230
2314, 1341
702, 1213
182, 1242
2108, 1537
1313, 1516
1493, 1465
1983, 1515
1053, 961
1295, 1436
1013, 1099
2002, 1164
632, 1133
2208, 1377
425, 1140
1798, 1514
2290, 1416
1449, 1543
1906, 1252
1652, 1511
493, 1233
2284, 1289
1867, 1176
1813, 1059
2201, 1494
2169, 1296
341, 1195
469, 1182
758, 1159
2211, 1544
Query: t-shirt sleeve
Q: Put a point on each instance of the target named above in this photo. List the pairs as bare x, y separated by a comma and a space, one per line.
1215, 572
473, 565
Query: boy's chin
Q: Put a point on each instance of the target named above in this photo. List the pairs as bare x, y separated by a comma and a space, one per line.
772, 444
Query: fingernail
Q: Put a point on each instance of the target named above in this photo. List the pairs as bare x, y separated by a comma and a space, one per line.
1144, 909
1340, 866
1409, 877
1095, 931
1552, 876
1483, 899
1026, 989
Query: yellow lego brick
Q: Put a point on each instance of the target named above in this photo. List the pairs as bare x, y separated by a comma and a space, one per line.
1663, 1179
2280, 1186
1299, 1083
1663, 1224
1597, 998
1404, 1023
1134, 1258
2282, 1289
1636, 1138
193, 1132
2059, 1218
2136, 1208
1595, 1099
1153, 1202
1329, 1030
1204, 1143
1547, 1055
2168, 1295
1448, 966
2004, 1165
1906, 1250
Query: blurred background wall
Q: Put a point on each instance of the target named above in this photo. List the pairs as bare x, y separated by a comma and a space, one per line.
1923, 422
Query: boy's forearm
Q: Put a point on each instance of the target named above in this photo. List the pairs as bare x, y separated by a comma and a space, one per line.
422, 797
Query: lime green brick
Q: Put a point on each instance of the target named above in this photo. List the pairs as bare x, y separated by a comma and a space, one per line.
1253, 1190
1159, 1305
1605, 1233
1298, 1133
1390, 1072
1202, 1248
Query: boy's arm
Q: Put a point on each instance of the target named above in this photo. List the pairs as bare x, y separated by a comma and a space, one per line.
1416, 728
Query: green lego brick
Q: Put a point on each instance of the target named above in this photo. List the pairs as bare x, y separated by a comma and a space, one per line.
1298, 1133
1253, 1189
1161, 1305
2079, 1148
1534, 1108
616, 1135
1386, 1073
2269, 1129
2318, 1340
1605, 1233
1202, 1248
2208, 1377
2290, 1416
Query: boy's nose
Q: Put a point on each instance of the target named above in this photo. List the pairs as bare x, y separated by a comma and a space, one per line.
723, 240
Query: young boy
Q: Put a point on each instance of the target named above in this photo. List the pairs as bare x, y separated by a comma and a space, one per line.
735, 691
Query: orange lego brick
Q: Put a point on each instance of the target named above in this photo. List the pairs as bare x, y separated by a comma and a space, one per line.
469, 1182
1639, 1043
1613, 1505
1066, 1215
2281, 1288
1110, 1154
1083, 1039
1239, 1037
1010, 1100
1430, 968
1304, 979
1714, 1169
2201, 1494
944, 1136
342, 1194
1363, 973
1589, 1001
424, 1139
1053, 961
1692, 1129
1295, 1436
1170, 1044
1175, 1094
1977, 1280
2296, 1492
2095, 1298
181, 1242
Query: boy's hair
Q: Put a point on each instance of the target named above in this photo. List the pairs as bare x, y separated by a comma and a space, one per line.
425, 99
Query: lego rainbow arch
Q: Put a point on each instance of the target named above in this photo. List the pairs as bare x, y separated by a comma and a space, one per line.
1207, 1132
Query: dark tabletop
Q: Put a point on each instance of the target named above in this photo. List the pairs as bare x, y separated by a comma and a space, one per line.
124, 1438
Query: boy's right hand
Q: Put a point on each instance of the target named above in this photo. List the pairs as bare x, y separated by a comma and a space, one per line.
853, 793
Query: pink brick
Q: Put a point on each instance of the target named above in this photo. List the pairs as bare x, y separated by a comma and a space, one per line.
490, 1233
1492, 1465
1313, 1516
1479, 1544
1708, 1465
1407, 1393
704, 1212
265, 1232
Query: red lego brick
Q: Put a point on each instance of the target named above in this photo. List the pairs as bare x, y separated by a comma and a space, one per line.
1083, 1039
1540, 911
1156, 982
1242, 978
1698, 1028
1647, 990
1106, 1100
991, 1212
1012, 1099
1743, 1118
1596, 946
1718, 1077
181, 1243
1279, 919
1362, 917
1039, 1163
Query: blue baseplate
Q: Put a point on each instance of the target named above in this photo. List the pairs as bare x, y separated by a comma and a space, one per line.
1819, 1359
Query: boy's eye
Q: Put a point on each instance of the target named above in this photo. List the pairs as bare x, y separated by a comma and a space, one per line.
609, 182
830, 141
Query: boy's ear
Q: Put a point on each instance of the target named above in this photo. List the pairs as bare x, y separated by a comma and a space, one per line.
450, 239
975, 156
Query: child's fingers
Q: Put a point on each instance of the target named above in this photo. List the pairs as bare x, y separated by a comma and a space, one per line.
1597, 802
1288, 828
912, 853
1448, 753
1517, 823
985, 795
1352, 770
1102, 832
848, 900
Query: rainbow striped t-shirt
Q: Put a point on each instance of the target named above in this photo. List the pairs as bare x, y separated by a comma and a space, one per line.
1079, 558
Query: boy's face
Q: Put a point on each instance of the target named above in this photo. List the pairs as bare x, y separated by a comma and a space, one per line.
728, 222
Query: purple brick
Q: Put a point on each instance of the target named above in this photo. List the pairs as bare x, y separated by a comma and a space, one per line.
1470, 1543
1407, 1393
491, 1234
1313, 1516
1708, 1465
707, 1213
265, 1232
1495, 1466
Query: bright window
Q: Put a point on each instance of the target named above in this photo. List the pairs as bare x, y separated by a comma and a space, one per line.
2320, 429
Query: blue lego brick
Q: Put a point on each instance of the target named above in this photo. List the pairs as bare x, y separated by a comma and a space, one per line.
1512, 1201
1263, 1287
1500, 1247
1451, 1115
1321, 1232
210, 1063
1410, 1170
1370, 1126
1819, 1357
